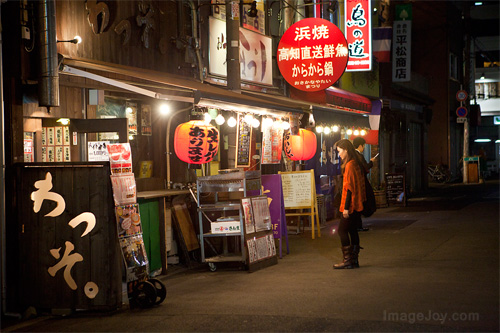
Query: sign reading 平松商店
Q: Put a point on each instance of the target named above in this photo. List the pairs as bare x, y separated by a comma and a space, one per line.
312, 54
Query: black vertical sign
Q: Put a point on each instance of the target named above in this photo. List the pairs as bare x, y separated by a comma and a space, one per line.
244, 139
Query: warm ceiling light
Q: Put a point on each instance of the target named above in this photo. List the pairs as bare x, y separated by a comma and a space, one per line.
349, 131
207, 117
219, 120
363, 132
267, 122
335, 128
327, 130
356, 132
255, 123
164, 109
319, 129
231, 122
63, 121
285, 125
248, 118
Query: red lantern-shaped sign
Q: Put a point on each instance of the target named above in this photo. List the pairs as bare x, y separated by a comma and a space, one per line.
301, 147
196, 142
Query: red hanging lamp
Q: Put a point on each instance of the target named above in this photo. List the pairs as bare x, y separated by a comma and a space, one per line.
196, 142
301, 147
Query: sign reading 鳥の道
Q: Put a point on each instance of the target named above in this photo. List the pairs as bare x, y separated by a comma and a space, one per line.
358, 27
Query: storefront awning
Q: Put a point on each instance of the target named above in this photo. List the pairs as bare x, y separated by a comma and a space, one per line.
336, 99
325, 113
182, 89
332, 105
336, 106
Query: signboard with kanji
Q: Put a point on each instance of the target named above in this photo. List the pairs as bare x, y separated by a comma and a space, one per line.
312, 54
401, 51
358, 34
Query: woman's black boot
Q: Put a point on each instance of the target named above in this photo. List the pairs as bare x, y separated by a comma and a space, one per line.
347, 263
355, 254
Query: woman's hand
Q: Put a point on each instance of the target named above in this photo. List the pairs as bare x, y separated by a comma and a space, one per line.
345, 213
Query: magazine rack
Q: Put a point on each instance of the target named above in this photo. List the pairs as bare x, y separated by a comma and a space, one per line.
220, 195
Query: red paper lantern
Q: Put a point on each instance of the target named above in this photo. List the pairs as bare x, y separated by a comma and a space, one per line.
300, 147
196, 142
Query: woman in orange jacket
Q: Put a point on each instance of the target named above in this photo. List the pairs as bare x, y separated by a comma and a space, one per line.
351, 205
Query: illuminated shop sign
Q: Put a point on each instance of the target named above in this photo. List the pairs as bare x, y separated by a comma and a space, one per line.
312, 54
358, 27
255, 54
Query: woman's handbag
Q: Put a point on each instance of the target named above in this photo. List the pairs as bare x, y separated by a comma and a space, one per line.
370, 205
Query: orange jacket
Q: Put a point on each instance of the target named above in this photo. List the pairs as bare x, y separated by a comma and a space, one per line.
354, 181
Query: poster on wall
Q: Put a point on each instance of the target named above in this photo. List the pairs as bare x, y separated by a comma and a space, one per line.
97, 151
131, 114
146, 127
243, 142
258, 23
28, 147
272, 143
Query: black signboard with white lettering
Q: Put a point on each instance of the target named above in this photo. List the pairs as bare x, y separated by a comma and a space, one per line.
396, 189
244, 138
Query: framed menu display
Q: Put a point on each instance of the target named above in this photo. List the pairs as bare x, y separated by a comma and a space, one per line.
246, 204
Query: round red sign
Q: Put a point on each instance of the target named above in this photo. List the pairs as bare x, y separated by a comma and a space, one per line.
312, 54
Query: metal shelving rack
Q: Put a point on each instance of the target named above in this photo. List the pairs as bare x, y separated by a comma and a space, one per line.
239, 181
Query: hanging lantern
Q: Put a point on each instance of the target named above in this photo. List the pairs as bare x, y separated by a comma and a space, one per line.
300, 147
196, 142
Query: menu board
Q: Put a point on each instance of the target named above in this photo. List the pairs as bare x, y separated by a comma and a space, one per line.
244, 139
297, 189
395, 188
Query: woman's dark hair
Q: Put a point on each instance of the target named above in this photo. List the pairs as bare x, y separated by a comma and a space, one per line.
351, 152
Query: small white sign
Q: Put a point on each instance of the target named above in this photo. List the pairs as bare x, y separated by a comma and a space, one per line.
461, 120
97, 151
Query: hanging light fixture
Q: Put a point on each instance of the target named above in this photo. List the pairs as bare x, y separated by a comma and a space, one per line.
207, 117
231, 122
319, 129
267, 122
219, 120
285, 125
327, 130
349, 131
362, 132
335, 128
249, 118
255, 123
356, 132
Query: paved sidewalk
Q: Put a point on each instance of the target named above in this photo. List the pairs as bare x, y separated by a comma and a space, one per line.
431, 266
